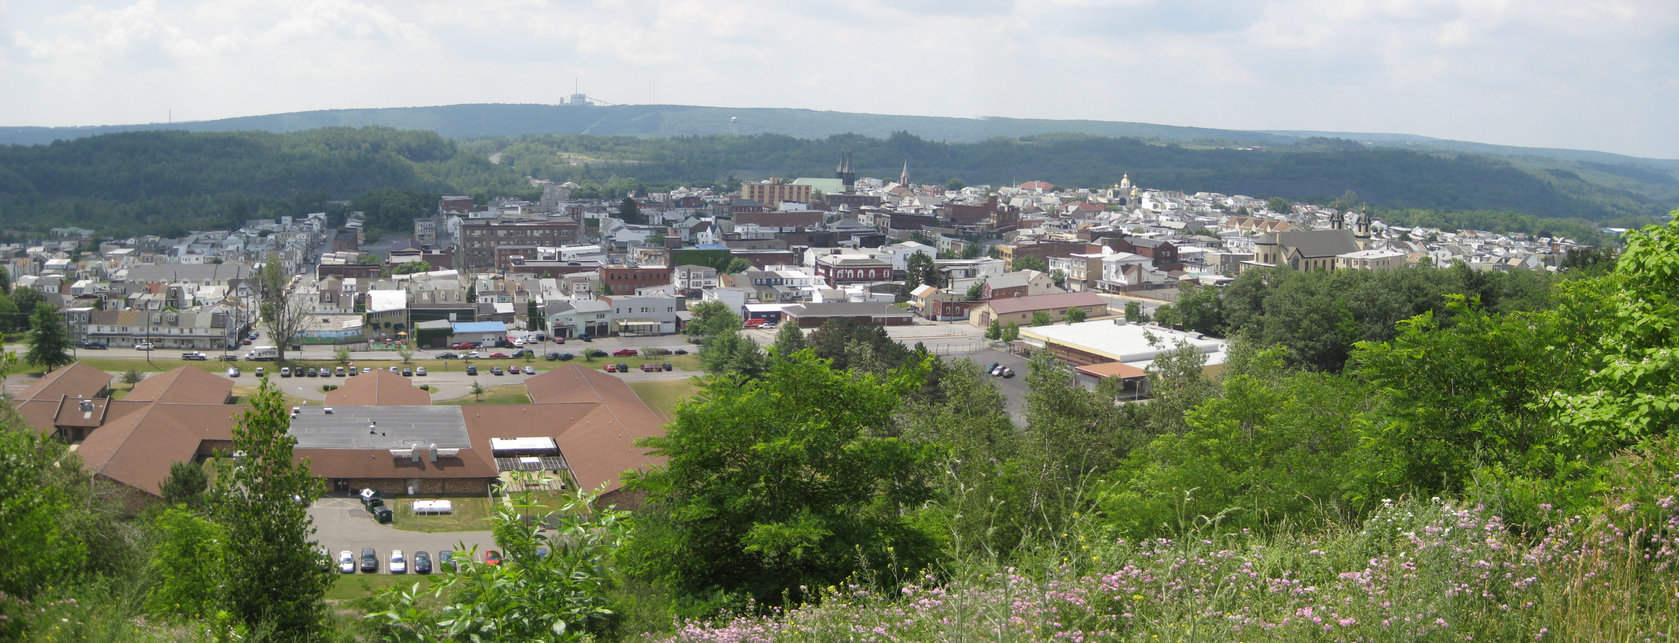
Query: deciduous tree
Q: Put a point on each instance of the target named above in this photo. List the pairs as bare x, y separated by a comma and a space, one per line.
49, 343
283, 311
275, 577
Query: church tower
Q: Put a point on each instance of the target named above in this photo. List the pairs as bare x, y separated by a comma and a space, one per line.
1361, 229
903, 179
1338, 220
844, 172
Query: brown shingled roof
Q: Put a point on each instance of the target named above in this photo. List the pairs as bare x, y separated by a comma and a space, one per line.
183, 385
138, 447
378, 388
73, 380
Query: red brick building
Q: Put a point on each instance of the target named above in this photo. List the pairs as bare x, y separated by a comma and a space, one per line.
625, 280
839, 270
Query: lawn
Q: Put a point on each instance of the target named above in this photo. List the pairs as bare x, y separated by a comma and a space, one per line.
664, 395
346, 587
471, 514
504, 394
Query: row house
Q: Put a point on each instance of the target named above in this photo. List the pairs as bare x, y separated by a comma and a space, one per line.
691, 280
208, 328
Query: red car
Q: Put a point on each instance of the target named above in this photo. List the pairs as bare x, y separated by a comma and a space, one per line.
500, 356
754, 322
624, 352
463, 345
492, 558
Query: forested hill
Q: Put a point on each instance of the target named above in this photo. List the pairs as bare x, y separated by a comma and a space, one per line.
164, 181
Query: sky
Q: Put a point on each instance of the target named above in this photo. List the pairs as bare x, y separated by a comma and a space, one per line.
1599, 75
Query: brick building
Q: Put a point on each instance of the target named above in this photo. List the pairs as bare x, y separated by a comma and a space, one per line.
481, 240
625, 280
771, 194
839, 270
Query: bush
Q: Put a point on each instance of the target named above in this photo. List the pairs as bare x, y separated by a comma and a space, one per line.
328, 387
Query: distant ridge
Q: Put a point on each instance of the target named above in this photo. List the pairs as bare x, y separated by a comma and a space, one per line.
484, 120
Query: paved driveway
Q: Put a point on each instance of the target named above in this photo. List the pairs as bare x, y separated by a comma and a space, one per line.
342, 524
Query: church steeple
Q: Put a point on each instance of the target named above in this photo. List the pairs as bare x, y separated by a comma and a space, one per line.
844, 172
1361, 228
903, 179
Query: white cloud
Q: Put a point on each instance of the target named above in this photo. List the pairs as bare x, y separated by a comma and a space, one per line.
1533, 72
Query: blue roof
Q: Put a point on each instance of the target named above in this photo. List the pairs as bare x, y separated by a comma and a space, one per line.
480, 327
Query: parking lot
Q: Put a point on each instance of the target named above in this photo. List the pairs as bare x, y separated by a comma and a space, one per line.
342, 524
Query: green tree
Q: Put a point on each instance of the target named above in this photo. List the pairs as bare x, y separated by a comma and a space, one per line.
1134, 312
284, 313
534, 319
404, 352
1011, 332
132, 376
1279, 205
565, 594
341, 355
1028, 262
478, 390
790, 339
27, 300
1199, 309
737, 265
730, 352
275, 577
710, 318
920, 269
185, 485
791, 481
1042, 318
1059, 278
994, 332
954, 184
472, 293
187, 558
630, 212
33, 511
10, 319
49, 343
411, 267
976, 291
1074, 315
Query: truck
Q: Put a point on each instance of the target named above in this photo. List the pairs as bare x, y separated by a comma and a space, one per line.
263, 354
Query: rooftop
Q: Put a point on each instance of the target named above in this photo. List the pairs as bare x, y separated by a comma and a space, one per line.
392, 427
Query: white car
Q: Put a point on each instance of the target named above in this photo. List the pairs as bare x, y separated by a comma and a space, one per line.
399, 565
346, 562
143, 346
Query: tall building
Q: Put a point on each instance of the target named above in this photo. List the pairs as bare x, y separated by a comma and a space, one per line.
480, 240
772, 194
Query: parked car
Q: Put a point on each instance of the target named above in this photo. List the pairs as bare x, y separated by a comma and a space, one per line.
649, 367
313, 372
595, 352
680, 351
93, 346
586, 337
492, 558
505, 343
767, 326
369, 561
422, 562
446, 560
500, 355
753, 323
624, 352
194, 356
233, 371
143, 346
559, 340
446, 356
394, 369
346, 562
399, 565
496, 370
338, 371
623, 368
407, 372
472, 355
259, 372
420, 371
285, 371
366, 369
1007, 372
461, 346
530, 371
471, 369
564, 357
523, 353
666, 366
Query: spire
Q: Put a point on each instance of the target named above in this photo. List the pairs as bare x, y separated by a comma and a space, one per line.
844, 173
903, 179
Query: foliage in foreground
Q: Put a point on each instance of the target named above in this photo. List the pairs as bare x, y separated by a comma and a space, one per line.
1417, 570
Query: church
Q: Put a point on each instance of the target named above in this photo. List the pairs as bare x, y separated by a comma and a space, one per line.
1311, 249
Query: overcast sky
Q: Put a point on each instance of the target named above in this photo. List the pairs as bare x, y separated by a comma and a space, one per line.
1595, 74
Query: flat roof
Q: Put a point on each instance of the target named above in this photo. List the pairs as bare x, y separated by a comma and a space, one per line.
397, 427
1120, 341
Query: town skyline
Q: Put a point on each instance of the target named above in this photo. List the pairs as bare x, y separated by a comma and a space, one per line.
1535, 75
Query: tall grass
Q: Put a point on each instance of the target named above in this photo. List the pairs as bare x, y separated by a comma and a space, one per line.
1419, 570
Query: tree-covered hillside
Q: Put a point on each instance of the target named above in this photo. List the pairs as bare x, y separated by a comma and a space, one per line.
166, 182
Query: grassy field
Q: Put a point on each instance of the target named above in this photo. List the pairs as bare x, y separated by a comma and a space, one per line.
504, 394
664, 395
471, 514
346, 587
